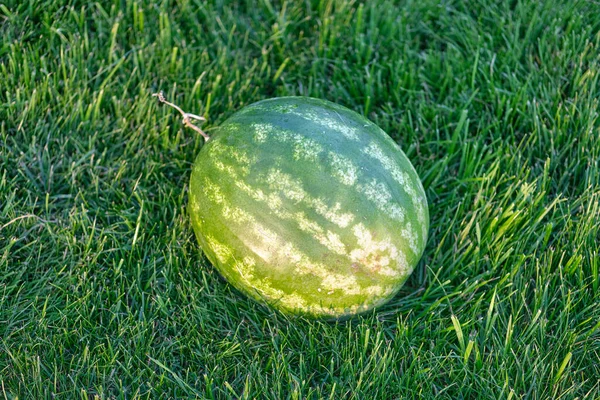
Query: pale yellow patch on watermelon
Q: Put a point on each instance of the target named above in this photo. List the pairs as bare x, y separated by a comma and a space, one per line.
307, 267
346, 283
222, 252
328, 123
235, 214
292, 189
334, 243
196, 206
294, 302
343, 169
409, 234
266, 243
306, 149
379, 291
283, 135
256, 194
213, 192
379, 194
291, 253
275, 204
374, 290
222, 151
264, 287
283, 108
402, 177
245, 268
327, 238
226, 168
378, 256
261, 131
332, 214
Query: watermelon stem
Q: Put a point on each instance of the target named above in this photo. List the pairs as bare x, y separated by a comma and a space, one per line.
187, 117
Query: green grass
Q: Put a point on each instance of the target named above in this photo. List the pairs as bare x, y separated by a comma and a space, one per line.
105, 294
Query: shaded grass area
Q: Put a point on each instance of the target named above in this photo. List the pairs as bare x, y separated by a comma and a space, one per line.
105, 294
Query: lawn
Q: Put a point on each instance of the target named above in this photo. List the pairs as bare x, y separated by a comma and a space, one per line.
104, 292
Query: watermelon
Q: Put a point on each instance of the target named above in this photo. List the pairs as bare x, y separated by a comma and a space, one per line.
309, 207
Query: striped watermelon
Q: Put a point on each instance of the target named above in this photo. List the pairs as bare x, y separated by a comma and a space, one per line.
308, 206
